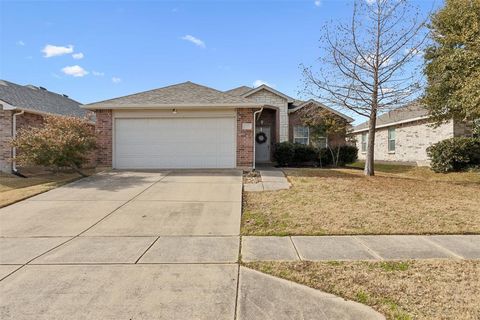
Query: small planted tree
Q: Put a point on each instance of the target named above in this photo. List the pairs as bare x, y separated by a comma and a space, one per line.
61, 142
367, 65
323, 123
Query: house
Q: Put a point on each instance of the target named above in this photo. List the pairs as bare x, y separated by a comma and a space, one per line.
24, 106
188, 125
404, 134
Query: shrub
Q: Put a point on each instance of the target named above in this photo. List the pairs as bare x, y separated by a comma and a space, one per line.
287, 154
454, 154
284, 153
304, 154
347, 154
60, 142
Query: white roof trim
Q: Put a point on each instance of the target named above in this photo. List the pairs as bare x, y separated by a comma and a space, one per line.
102, 106
393, 123
265, 87
323, 106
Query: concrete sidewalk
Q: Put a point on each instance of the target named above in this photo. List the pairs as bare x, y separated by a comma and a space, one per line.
394, 247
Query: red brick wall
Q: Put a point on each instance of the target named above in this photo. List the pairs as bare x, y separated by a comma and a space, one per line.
5, 137
27, 120
103, 129
244, 138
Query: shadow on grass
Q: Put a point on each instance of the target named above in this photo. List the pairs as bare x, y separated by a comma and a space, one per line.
383, 167
321, 173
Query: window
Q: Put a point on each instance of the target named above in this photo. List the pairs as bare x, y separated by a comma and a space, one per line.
322, 142
391, 139
364, 141
300, 135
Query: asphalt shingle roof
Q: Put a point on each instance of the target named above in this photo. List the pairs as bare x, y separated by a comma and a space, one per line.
239, 90
187, 93
37, 99
408, 112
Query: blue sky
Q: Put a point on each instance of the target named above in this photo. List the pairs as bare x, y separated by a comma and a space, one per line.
104, 49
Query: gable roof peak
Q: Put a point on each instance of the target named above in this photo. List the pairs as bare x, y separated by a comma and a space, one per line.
270, 89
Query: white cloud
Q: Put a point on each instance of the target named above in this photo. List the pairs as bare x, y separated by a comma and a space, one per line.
258, 83
75, 71
98, 74
370, 1
52, 51
78, 56
20, 43
194, 40
116, 80
318, 3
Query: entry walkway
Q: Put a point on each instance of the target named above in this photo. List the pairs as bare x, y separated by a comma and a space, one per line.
273, 179
383, 247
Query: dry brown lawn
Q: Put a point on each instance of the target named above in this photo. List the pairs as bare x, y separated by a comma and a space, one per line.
422, 289
343, 201
14, 189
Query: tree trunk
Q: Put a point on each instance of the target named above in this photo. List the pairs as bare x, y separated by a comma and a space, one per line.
369, 163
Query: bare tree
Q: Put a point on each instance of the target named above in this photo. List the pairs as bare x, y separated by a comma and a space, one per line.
368, 64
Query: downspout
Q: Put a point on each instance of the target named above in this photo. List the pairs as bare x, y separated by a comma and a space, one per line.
14, 149
254, 130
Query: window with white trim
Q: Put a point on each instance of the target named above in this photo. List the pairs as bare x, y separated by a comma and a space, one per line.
391, 139
301, 134
364, 141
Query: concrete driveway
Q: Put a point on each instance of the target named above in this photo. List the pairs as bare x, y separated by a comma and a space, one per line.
143, 245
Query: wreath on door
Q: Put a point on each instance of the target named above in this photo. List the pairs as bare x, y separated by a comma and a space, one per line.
261, 137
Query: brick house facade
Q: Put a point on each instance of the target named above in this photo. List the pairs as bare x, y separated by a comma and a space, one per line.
404, 134
133, 131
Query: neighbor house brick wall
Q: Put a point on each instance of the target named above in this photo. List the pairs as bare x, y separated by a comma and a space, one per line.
103, 130
269, 98
5, 137
244, 138
411, 141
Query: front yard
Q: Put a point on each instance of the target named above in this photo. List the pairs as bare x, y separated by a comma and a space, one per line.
401, 290
398, 200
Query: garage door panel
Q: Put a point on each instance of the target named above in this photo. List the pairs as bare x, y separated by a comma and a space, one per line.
175, 143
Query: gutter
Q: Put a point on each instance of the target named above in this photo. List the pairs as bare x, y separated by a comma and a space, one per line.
113, 106
254, 129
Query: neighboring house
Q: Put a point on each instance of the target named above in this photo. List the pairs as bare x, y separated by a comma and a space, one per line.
24, 106
404, 134
192, 126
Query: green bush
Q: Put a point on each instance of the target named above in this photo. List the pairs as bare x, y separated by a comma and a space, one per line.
455, 154
304, 154
294, 154
284, 153
347, 154
288, 154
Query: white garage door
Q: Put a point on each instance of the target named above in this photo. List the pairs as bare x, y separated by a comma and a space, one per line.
174, 143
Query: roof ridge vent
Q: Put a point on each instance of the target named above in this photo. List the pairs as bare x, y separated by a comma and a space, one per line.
64, 95
43, 88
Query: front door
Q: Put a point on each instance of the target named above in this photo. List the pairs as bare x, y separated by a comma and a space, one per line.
262, 144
